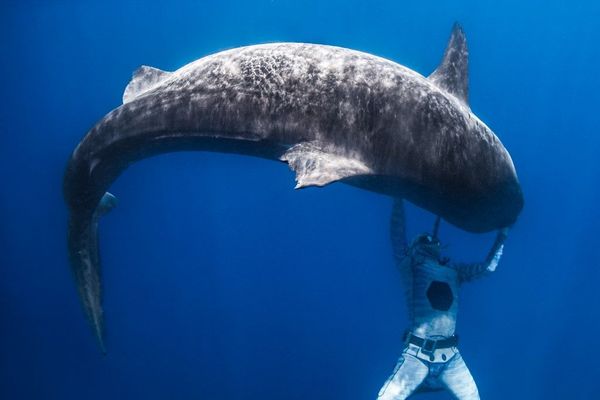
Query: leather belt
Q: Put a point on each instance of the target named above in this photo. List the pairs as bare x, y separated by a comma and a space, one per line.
430, 345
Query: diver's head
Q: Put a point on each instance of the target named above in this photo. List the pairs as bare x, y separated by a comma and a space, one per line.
427, 245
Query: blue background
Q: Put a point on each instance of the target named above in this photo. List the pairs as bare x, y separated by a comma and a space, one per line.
221, 281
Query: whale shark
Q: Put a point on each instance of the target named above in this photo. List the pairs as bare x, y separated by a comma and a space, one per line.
332, 114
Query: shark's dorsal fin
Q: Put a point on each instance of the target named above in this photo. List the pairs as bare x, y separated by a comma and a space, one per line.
316, 166
452, 75
143, 79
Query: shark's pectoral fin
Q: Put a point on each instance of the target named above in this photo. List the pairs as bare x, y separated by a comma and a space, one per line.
144, 78
315, 166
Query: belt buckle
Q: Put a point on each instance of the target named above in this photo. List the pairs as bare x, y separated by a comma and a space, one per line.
429, 346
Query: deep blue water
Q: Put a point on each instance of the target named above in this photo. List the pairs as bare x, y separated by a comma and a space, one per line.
221, 281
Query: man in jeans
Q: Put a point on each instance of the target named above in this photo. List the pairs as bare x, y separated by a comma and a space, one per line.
431, 360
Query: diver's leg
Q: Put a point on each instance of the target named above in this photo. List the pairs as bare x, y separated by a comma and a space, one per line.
458, 380
407, 376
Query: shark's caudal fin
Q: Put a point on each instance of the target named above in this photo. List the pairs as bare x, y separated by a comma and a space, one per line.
452, 75
143, 79
85, 262
315, 166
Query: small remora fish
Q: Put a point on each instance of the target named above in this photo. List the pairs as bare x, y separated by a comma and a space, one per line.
332, 114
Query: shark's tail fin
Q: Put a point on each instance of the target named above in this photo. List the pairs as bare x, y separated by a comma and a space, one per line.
85, 263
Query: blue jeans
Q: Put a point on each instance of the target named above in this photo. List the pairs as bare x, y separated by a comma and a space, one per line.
414, 374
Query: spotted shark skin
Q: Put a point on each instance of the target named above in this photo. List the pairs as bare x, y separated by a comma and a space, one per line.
333, 114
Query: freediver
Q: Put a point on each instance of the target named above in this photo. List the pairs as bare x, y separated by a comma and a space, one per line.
430, 360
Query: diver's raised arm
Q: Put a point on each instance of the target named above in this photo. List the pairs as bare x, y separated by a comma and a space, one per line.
398, 232
469, 272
